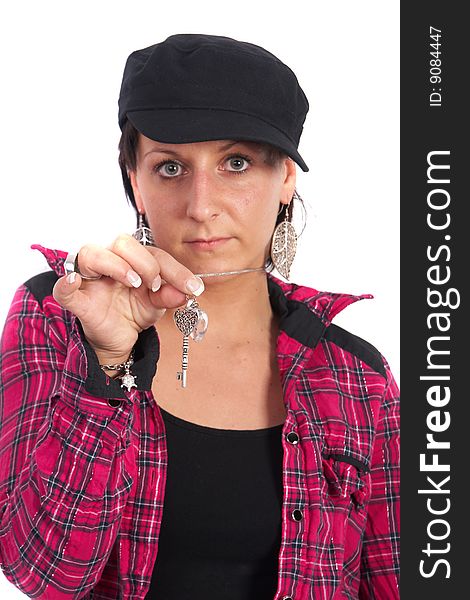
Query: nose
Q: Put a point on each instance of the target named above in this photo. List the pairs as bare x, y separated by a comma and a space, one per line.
203, 203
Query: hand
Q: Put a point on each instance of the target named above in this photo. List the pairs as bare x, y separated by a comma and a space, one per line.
114, 309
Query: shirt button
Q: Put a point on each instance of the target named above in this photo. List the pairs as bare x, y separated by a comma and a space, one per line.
114, 402
297, 515
292, 437
287, 598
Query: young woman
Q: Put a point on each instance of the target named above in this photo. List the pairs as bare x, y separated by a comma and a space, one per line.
176, 421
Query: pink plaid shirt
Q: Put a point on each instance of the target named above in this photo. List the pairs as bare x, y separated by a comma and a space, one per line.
83, 463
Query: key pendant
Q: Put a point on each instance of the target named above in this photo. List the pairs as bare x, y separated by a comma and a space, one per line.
191, 321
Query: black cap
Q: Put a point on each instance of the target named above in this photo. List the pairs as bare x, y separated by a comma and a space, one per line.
195, 88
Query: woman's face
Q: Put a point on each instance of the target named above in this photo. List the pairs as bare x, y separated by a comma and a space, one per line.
211, 190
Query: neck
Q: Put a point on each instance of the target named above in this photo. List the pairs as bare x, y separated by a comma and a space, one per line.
237, 305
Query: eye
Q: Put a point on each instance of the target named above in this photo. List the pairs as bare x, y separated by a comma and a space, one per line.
237, 163
168, 168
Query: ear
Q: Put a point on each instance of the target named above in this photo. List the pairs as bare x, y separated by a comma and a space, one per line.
288, 185
135, 188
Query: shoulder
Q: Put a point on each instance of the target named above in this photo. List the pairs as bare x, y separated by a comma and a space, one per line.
34, 300
357, 347
307, 315
41, 285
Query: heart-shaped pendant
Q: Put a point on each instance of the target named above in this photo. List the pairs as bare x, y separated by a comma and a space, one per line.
186, 320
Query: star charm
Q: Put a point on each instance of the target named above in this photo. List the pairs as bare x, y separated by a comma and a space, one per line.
128, 381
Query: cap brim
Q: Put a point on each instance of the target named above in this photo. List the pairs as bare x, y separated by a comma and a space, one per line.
184, 126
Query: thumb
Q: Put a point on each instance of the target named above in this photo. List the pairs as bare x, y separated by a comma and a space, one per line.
68, 294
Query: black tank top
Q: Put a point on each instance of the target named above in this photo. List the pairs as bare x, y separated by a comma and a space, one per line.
221, 527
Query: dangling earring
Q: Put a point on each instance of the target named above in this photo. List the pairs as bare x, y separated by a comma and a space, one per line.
284, 245
143, 233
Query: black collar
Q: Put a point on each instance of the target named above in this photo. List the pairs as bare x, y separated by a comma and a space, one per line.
295, 318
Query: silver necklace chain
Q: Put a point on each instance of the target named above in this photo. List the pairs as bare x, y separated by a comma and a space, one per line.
229, 272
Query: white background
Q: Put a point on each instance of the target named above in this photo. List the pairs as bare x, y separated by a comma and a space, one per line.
61, 68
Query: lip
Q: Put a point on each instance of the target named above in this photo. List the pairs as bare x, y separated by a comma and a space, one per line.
209, 244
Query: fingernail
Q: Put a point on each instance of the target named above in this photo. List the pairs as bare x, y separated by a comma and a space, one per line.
133, 278
156, 283
195, 285
71, 277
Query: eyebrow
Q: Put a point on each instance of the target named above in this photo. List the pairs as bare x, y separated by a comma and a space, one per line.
223, 148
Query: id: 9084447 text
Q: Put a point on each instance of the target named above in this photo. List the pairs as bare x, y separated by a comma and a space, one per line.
435, 67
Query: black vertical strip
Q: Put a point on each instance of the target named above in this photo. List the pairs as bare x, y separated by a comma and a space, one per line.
434, 257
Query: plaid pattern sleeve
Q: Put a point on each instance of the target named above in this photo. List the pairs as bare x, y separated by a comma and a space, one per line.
380, 561
63, 481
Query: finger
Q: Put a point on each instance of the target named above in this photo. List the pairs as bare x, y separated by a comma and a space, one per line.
141, 261
167, 297
176, 274
154, 264
95, 260
68, 294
